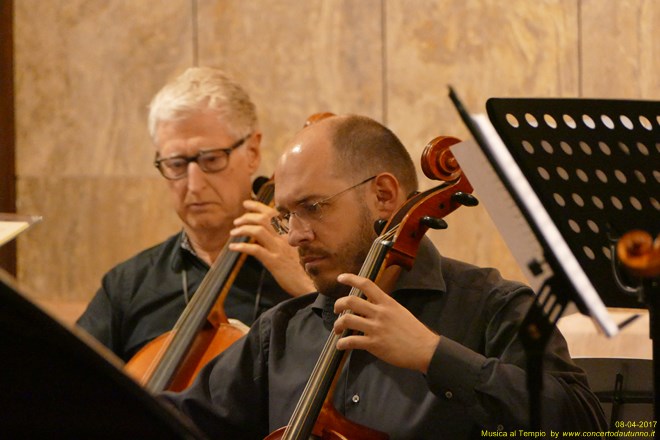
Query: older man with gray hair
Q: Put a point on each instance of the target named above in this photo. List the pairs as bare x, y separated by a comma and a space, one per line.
206, 135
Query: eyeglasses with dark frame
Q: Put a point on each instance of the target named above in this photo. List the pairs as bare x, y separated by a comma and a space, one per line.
209, 161
308, 212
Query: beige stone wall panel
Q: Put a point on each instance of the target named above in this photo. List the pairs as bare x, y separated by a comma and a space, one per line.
296, 59
85, 72
621, 49
483, 49
87, 229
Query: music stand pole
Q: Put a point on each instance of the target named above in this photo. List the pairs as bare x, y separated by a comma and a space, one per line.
653, 298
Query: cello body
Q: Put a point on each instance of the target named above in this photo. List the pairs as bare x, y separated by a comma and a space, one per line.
208, 343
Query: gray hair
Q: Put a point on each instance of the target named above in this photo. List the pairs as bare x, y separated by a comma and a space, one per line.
201, 88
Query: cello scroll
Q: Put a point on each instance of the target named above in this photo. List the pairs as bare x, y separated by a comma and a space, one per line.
640, 253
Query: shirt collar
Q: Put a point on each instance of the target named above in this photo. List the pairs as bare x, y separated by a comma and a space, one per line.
424, 275
185, 243
181, 248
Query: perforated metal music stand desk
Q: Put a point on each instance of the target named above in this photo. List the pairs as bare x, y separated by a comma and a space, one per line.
582, 173
595, 165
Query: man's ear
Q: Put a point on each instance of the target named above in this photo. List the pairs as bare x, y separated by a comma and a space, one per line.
253, 145
388, 195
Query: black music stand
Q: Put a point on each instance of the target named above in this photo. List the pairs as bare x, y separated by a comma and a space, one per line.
582, 173
53, 384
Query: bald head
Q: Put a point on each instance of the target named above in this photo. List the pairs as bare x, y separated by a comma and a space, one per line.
354, 146
338, 176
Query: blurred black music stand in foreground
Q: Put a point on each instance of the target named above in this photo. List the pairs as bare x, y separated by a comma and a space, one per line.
54, 384
575, 175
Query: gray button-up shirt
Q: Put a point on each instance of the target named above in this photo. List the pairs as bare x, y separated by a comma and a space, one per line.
476, 380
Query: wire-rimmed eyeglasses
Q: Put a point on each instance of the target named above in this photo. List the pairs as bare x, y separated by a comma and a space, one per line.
209, 161
307, 212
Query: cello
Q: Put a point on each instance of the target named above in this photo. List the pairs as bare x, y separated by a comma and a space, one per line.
393, 250
173, 359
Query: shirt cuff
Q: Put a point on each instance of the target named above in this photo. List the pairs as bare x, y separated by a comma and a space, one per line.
454, 371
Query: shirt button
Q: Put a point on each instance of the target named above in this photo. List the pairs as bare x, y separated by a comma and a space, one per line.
355, 398
449, 394
500, 428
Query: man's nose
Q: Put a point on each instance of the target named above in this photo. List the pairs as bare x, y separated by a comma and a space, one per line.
299, 231
196, 177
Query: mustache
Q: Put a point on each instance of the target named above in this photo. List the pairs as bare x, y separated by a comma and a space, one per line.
313, 251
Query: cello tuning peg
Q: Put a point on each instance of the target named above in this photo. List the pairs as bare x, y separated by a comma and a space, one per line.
434, 222
379, 225
465, 199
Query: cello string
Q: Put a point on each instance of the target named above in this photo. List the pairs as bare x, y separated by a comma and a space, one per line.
184, 284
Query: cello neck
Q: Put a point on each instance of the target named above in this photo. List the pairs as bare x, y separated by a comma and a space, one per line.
321, 381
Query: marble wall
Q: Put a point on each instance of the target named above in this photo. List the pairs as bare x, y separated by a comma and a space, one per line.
85, 71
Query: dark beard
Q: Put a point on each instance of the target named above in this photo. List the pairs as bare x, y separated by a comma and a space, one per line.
351, 258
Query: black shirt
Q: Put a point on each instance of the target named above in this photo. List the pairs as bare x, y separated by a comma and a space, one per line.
142, 298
